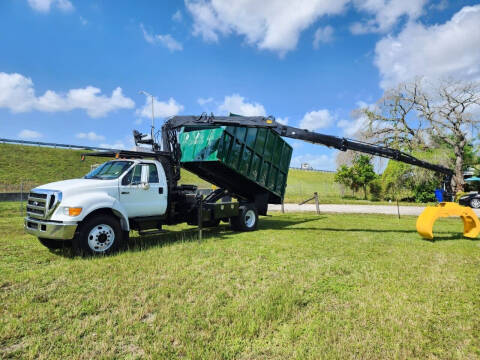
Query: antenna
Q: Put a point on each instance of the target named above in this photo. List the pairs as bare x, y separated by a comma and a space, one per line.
152, 130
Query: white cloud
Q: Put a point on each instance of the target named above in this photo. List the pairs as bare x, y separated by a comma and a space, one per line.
203, 101
315, 120
29, 134
90, 136
83, 21
358, 123
277, 24
386, 14
283, 121
236, 104
177, 16
44, 6
17, 94
165, 40
322, 35
269, 24
161, 109
318, 162
438, 51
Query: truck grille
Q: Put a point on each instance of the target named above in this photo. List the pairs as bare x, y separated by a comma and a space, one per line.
41, 203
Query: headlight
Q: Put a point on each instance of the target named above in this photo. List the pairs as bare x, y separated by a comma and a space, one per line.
72, 211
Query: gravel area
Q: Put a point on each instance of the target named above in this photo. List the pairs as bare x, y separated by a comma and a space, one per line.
356, 209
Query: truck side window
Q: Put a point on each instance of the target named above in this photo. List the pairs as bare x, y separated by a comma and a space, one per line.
133, 177
152, 174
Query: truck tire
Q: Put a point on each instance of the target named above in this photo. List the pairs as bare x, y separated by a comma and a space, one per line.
53, 244
475, 203
247, 219
99, 235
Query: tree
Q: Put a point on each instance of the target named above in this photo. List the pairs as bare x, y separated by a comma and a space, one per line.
416, 115
343, 176
363, 173
359, 175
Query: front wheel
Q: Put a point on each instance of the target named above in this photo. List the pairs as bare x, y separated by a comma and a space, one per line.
475, 203
247, 219
99, 235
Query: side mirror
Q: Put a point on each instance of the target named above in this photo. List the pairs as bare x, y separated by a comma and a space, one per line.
144, 177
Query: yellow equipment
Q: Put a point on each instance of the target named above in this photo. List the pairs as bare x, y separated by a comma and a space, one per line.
471, 224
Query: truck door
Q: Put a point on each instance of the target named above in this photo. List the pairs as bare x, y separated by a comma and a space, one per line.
141, 193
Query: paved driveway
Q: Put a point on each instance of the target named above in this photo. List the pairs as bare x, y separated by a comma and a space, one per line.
356, 209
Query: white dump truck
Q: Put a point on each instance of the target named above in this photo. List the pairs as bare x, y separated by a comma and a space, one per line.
245, 157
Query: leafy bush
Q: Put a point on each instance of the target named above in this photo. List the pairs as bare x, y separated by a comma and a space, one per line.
425, 191
375, 190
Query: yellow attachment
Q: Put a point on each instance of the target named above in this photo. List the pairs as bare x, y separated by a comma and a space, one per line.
471, 224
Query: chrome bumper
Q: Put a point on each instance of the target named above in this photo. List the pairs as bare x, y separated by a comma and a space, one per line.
49, 230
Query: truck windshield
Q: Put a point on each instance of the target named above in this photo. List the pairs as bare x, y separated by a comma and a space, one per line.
109, 170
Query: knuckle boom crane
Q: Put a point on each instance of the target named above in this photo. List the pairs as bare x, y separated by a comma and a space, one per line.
171, 126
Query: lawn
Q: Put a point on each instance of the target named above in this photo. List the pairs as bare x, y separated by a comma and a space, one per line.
303, 286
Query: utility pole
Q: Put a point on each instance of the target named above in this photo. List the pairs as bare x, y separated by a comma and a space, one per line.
152, 130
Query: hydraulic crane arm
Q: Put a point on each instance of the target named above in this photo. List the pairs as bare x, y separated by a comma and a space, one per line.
171, 126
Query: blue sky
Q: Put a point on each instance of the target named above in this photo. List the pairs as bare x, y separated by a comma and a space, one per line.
71, 70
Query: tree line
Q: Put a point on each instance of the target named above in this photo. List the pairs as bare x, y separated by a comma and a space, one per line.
436, 121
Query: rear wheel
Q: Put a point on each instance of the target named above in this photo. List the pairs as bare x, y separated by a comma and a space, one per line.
53, 244
247, 219
99, 235
475, 203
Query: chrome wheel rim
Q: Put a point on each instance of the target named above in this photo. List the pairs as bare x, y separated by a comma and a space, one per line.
475, 203
101, 238
250, 218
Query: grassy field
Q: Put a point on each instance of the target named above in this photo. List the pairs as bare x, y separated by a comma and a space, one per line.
303, 286
35, 165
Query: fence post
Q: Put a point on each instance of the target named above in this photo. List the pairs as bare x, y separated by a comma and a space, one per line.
21, 198
200, 217
317, 205
283, 208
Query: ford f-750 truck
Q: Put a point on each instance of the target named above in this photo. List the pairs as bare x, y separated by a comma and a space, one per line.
245, 157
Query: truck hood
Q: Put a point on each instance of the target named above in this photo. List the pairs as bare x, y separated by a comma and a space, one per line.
76, 185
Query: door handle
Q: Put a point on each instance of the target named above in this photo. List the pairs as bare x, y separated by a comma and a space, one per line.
125, 192
160, 190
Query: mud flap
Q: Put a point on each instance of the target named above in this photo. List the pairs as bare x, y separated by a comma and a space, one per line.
471, 224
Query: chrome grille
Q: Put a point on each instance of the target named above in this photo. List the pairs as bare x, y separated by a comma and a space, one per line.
42, 203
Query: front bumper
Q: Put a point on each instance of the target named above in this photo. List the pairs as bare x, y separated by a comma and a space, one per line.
49, 229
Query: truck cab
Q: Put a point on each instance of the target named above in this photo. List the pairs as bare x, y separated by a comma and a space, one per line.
100, 207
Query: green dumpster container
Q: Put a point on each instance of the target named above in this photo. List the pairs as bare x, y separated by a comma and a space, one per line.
246, 161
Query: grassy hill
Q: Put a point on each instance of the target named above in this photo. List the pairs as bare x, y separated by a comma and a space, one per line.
36, 165
301, 287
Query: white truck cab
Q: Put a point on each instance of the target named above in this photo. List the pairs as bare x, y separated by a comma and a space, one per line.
96, 211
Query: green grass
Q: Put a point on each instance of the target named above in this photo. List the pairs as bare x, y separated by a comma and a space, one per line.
36, 165
303, 286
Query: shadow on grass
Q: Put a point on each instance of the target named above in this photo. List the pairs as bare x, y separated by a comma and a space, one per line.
221, 232
144, 242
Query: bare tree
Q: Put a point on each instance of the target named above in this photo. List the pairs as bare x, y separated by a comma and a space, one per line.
420, 115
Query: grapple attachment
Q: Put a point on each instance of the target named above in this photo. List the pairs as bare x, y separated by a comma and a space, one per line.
471, 224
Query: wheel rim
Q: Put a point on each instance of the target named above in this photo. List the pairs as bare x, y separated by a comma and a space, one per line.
101, 238
250, 218
475, 203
